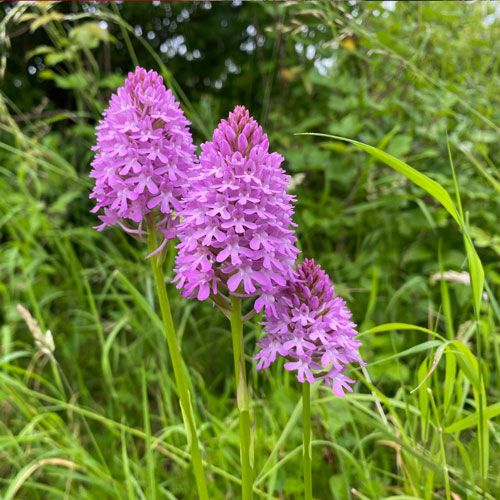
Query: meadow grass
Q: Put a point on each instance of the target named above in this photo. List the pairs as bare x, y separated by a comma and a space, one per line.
98, 416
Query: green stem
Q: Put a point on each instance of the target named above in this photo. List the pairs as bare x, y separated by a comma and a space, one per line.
242, 399
441, 444
180, 376
128, 43
306, 449
55, 372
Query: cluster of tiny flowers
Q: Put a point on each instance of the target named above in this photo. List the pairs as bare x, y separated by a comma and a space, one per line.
233, 217
144, 156
235, 234
312, 329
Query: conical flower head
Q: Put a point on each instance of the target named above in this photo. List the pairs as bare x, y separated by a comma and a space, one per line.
145, 153
312, 329
235, 236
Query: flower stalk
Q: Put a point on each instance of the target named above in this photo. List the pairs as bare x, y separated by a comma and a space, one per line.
243, 400
306, 441
180, 377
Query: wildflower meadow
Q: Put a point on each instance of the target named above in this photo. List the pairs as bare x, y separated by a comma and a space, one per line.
250, 250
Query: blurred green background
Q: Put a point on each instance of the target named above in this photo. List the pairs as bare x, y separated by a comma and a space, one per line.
98, 418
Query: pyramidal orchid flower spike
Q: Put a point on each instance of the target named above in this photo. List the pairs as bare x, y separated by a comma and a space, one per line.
236, 241
312, 330
144, 156
235, 235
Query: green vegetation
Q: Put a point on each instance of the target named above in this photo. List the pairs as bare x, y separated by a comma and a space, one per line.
97, 416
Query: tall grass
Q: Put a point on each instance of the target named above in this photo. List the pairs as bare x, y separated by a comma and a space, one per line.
100, 419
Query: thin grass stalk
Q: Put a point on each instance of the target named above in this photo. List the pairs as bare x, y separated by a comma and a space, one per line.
130, 47
180, 377
441, 445
243, 399
477, 283
306, 441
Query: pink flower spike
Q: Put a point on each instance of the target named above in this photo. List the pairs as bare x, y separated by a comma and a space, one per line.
311, 329
248, 232
145, 154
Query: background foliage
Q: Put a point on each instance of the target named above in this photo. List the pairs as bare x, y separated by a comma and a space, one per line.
98, 418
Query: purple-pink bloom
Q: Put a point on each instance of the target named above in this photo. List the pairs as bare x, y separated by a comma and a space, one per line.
312, 329
238, 215
145, 154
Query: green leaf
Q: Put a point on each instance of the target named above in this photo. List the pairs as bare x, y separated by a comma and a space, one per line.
387, 327
475, 267
483, 171
41, 49
56, 57
139, 299
468, 363
105, 364
437, 357
89, 35
72, 81
489, 412
430, 344
111, 81
421, 180
476, 273
400, 145
45, 19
